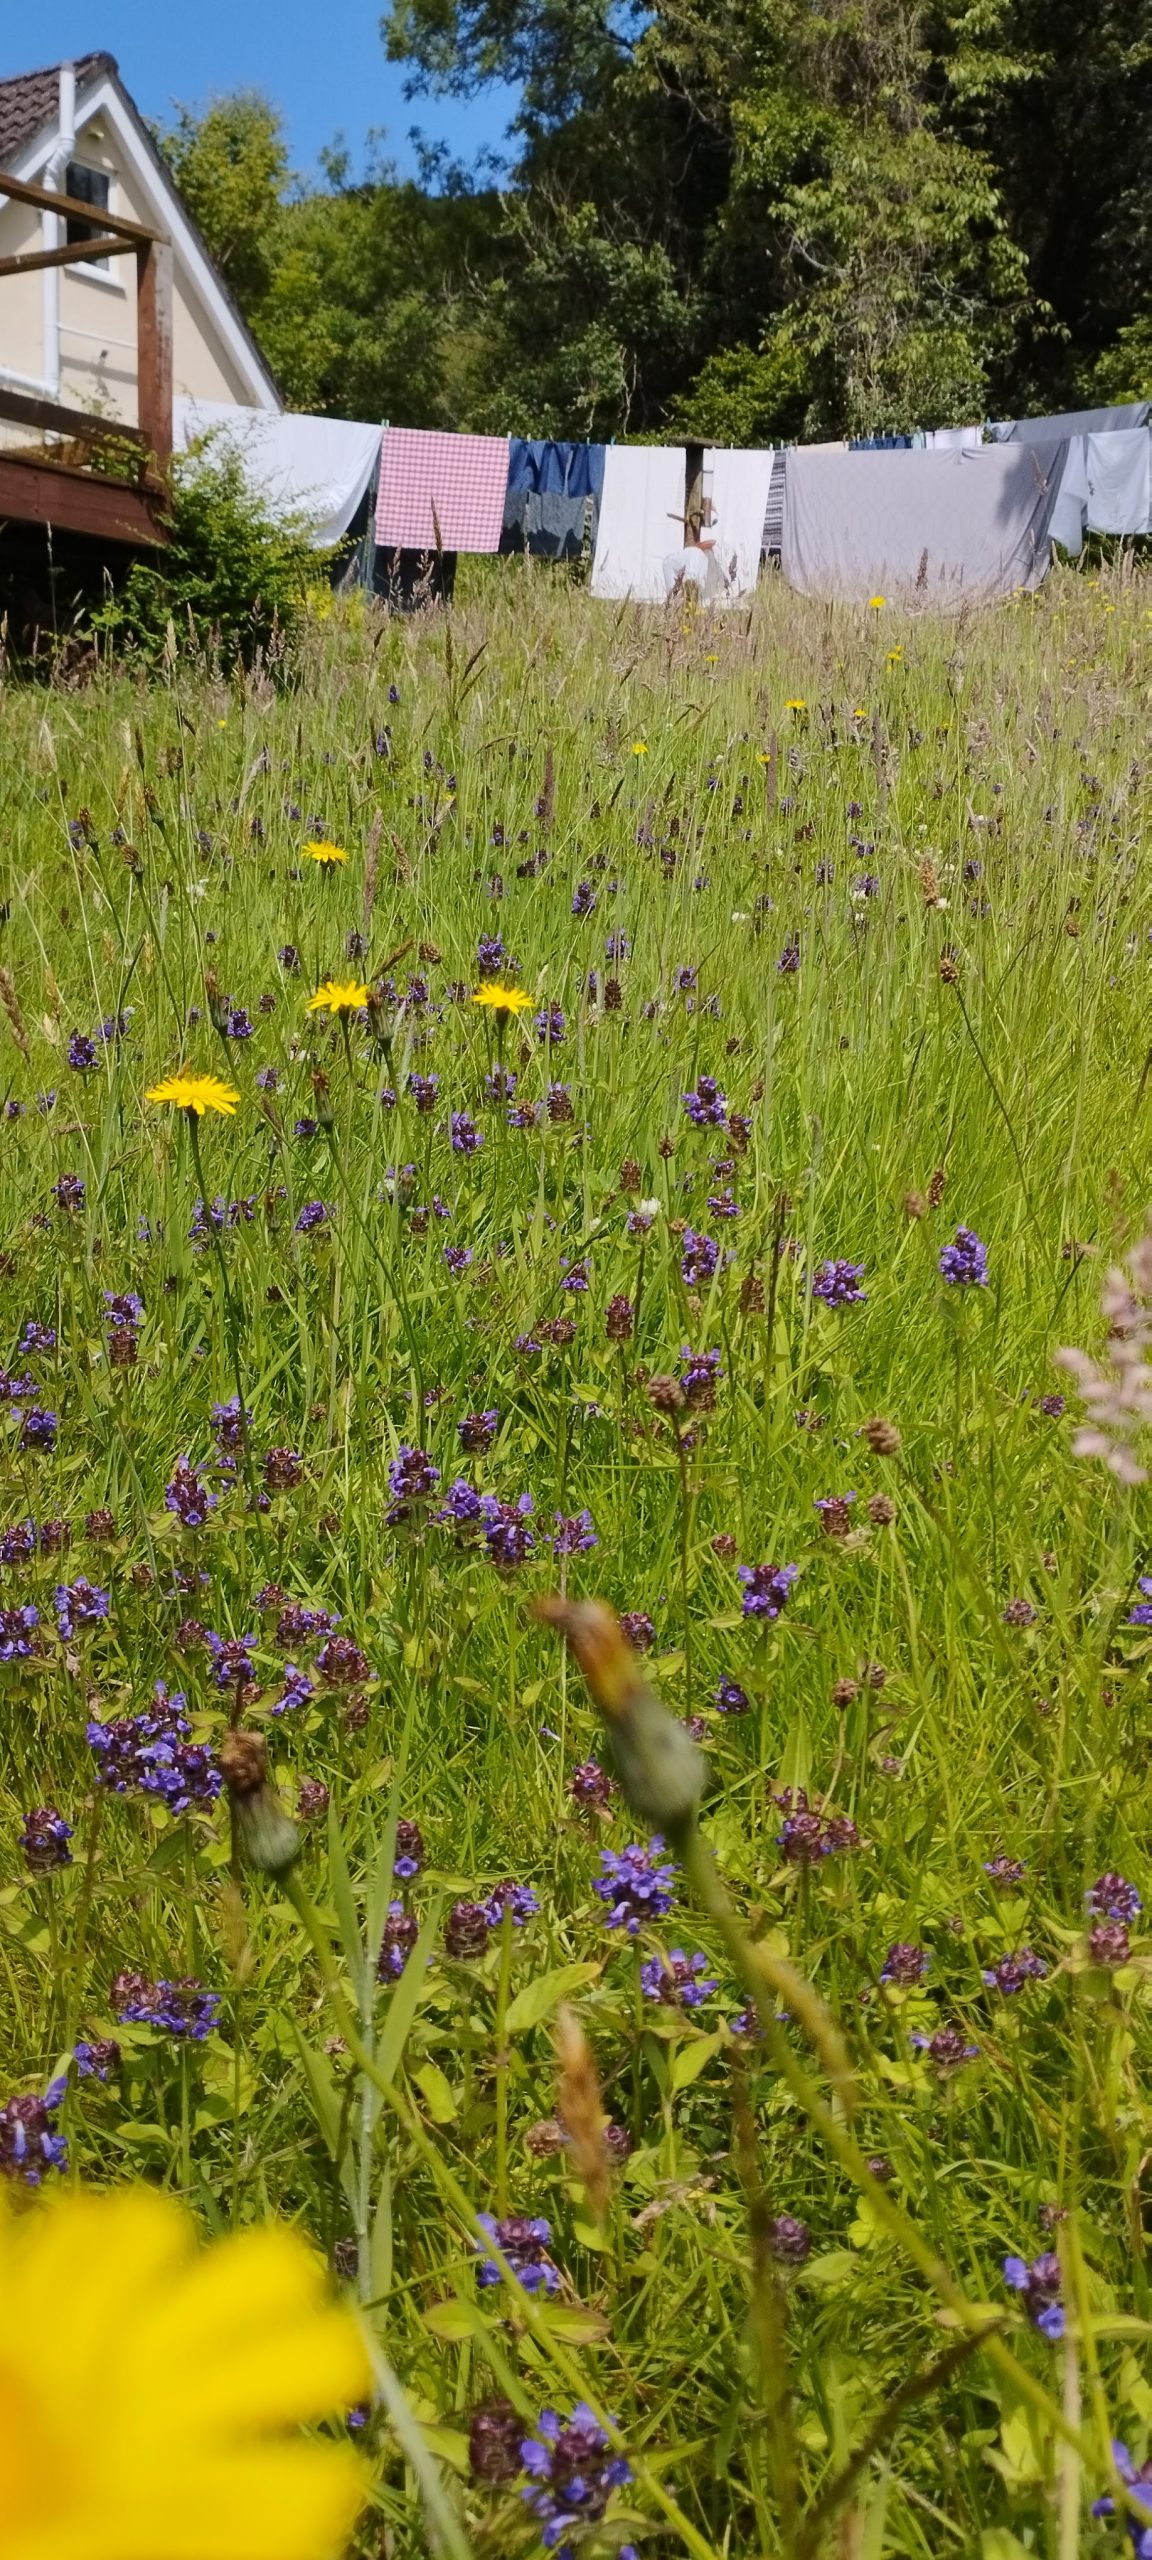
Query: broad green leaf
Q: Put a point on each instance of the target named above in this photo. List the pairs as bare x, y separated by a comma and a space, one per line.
452, 2321
448, 2445
574, 2324
438, 2094
538, 1998
832, 2267
689, 2060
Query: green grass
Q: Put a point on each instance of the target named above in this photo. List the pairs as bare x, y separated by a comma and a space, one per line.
975, 1031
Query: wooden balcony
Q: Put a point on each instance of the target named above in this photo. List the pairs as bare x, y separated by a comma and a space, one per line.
79, 474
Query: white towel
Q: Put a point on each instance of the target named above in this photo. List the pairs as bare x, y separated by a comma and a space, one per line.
740, 485
315, 467
1119, 475
641, 520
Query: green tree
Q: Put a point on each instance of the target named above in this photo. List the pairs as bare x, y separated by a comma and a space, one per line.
231, 164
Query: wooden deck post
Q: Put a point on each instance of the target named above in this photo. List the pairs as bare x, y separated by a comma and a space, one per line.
154, 346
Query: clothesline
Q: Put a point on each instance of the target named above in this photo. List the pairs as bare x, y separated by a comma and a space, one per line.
950, 515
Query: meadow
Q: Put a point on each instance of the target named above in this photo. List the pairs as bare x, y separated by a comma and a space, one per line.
689, 1079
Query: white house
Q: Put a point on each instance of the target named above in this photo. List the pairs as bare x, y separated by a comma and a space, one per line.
68, 332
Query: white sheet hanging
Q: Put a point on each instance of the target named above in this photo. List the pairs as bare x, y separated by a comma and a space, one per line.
740, 486
1120, 481
315, 467
641, 520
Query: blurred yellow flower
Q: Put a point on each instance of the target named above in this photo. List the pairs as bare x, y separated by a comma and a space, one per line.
195, 1093
339, 995
894, 655
875, 603
638, 747
318, 850
503, 999
150, 2390
860, 712
796, 703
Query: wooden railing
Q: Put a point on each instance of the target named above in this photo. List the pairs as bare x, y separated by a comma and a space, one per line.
106, 235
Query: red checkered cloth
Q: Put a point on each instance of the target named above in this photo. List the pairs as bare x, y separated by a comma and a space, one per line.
441, 492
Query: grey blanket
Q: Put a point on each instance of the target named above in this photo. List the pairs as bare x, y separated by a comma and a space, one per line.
935, 529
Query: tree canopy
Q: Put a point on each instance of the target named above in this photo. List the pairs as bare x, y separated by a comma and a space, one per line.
738, 219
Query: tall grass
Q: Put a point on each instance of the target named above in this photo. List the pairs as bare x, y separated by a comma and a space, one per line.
950, 827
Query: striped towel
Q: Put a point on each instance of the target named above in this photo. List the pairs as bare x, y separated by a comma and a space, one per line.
441, 492
774, 518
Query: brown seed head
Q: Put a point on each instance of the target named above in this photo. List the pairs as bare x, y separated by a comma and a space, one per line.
844, 1692
579, 2107
666, 1395
936, 1187
882, 1437
630, 1174
244, 1762
915, 1204
881, 1511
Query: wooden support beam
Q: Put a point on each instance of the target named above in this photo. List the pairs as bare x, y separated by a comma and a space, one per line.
23, 192
77, 502
72, 254
26, 412
154, 347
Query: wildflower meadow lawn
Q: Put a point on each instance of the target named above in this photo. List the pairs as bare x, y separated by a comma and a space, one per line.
566, 1102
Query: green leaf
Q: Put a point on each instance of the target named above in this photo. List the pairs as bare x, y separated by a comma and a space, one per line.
574, 2324
690, 2059
452, 2321
438, 2094
538, 1998
997, 2543
448, 2445
831, 2268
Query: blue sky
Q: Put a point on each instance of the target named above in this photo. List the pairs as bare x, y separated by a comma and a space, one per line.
324, 67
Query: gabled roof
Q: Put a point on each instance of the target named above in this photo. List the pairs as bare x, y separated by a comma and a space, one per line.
30, 99
29, 109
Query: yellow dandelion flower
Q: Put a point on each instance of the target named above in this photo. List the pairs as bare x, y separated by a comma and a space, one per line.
796, 703
318, 849
503, 999
895, 655
639, 747
339, 995
195, 1093
860, 712
875, 602
151, 2390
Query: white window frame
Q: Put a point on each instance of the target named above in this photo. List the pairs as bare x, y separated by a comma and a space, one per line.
101, 271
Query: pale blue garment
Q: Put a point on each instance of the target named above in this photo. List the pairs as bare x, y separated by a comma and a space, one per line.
1067, 526
1118, 475
1072, 422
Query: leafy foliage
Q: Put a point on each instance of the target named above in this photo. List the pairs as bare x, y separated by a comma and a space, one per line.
232, 576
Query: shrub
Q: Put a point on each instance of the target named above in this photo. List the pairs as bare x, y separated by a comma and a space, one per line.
232, 578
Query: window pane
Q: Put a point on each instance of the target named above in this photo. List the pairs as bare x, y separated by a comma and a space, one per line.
92, 186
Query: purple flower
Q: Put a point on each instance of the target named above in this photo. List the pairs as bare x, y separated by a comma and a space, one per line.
506, 1534
231, 1659
268, 1079
18, 1542
1113, 1898
707, 1106
401, 1930
188, 1495
789, 960
313, 1214
572, 2473
236, 1024
38, 1338
676, 1979
947, 2048
79, 1605
1139, 2481
29, 2143
424, 1090
478, 1431
462, 1507
1040, 2286
500, 1084
583, 899
590, 1786
767, 1588
522, 2240
125, 1309
1140, 1615
150, 1754
40, 1429
467, 1139
550, 1025
575, 1276
17, 1628
636, 1885
492, 958
456, 1258
183, 2008
699, 1371
1004, 1870
518, 1900
836, 1284
44, 1839
699, 1256
297, 1691
905, 1964
575, 1535
412, 1478
97, 2060
731, 1699
1051, 1406
1010, 1973
964, 1262
637, 1627
81, 1052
